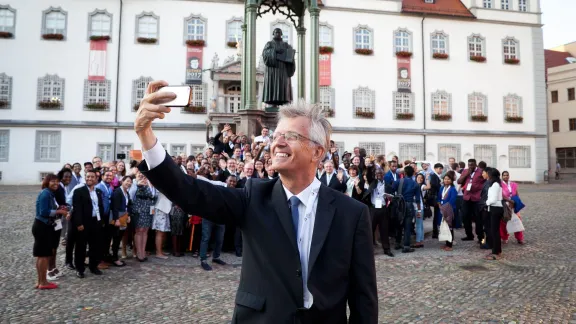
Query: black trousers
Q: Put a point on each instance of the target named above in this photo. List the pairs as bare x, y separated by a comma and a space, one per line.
117, 235
471, 213
91, 236
107, 235
493, 217
70, 243
380, 217
238, 240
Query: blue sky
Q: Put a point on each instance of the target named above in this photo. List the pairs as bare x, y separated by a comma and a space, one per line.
558, 19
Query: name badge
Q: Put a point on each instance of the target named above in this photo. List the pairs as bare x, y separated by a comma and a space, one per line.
58, 226
469, 186
151, 210
378, 203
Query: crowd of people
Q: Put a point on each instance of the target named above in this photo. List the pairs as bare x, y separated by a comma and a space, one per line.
111, 209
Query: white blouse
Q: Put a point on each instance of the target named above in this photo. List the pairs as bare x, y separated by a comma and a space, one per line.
494, 196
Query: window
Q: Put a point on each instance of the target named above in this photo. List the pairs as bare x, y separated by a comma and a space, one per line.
487, 4
233, 98
555, 126
325, 34
177, 149
195, 28
566, 156
402, 41
439, 43
476, 46
476, 105
486, 153
100, 23
234, 30
47, 146
7, 20
327, 100
44, 174
523, 5
4, 145
124, 149
441, 103
196, 149
363, 102
362, 38
372, 148
97, 92
286, 30
54, 21
519, 156
403, 104
512, 106
572, 124
51, 89
510, 48
139, 90
554, 96
571, 94
505, 4
5, 91
104, 151
411, 150
446, 151
147, 25
199, 95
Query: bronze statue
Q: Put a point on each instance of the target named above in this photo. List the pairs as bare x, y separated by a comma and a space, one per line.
280, 67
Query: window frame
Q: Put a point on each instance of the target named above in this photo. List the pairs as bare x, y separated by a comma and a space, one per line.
487, 4
230, 21
399, 95
48, 11
405, 151
6, 133
200, 18
38, 148
395, 48
527, 157
571, 94
519, 104
481, 157
118, 151
289, 27
106, 84
193, 150
370, 35
555, 126
40, 90
554, 96
571, 124
453, 146
505, 5
12, 29
198, 102
329, 27
135, 87
484, 98
330, 93
371, 104
516, 47
91, 16
446, 41
137, 28
370, 148
99, 151
9, 81
473, 37
177, 145
435, 96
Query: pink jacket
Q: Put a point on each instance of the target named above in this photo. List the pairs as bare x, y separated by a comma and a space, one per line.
507, 193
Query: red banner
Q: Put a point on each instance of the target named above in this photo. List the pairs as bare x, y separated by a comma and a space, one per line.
325, 69
194, 64
404, 79
97, 60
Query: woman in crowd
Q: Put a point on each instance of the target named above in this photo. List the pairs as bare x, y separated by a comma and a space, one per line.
133, 168
248, 157
259, 171
178, 219
419, 221
495, 211
121, 170
509, 190
161, 222
65, 176
447, 201
67, 166
43, 230
119, 207
115, 182
354, 184
143, 211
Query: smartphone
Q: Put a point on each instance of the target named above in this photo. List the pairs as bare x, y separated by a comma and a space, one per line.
183, 95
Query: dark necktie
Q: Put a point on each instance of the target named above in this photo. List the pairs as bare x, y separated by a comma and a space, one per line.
294, 203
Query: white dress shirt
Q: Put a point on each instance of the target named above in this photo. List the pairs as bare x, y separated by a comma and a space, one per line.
306, 214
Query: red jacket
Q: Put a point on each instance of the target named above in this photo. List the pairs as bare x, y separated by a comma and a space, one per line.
477, 183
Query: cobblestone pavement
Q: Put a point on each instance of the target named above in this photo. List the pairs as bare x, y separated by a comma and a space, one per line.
534, 283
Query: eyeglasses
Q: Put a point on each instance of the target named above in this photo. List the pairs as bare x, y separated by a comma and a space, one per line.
290, 137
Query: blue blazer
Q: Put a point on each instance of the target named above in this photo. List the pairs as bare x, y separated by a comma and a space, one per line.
389, 181
119, 204
450, 197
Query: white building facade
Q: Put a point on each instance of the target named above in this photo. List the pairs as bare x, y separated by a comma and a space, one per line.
475, 86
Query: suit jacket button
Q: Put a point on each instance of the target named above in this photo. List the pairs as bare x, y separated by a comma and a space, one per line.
298, 273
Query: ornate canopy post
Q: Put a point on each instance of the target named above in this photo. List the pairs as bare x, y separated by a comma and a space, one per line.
314, 50
301, 66
249, 60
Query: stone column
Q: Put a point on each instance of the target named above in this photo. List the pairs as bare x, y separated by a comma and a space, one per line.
314, 52
214, 129
243, 66
250, 55
301, 64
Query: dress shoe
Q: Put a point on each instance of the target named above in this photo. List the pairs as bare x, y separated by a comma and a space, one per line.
80, 275
434, 235
239, 254
389, 253
218, 261
408, 250
468, 238
96, 272
70, 266
102, 266
397, 247
206, 266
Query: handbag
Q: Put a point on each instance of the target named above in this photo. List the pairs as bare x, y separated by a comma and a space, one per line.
123, 220
515, 225
444, 234
507, 216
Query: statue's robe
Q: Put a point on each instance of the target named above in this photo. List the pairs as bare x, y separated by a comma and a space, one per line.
277, 83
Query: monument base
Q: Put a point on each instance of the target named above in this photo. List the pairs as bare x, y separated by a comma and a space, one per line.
247, 121
274, 109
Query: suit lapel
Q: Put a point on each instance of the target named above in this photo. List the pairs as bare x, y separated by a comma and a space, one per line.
324, 215
280, 204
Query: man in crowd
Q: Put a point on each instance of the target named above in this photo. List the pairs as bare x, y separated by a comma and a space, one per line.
248, 172
374, 197
109, 229
76, 176
333, 179
411, 194
460, 198
230, 170
97, 162
472, 183
436, 182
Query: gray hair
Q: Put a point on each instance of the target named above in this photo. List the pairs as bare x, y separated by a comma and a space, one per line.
320, 128
328, 162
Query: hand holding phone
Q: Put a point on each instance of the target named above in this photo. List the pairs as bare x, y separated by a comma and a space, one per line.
183, 96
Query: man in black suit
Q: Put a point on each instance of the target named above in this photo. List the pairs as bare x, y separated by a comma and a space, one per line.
230, 170
307, 249
374, 197
333, 179
248, 173
88, 220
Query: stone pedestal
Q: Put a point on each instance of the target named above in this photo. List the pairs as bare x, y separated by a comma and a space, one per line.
247, 123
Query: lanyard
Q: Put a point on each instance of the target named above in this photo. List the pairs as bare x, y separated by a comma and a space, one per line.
394, 175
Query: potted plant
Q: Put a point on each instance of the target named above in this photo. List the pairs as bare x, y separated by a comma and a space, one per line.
405, 116
479, 118
403, 54
195, 42
514, 119
232, 44
53, 36
3, 103
364, 51
96, 105
195, 109
326, 49
442, 117
51, 103
6, 34
440, 56
329, 112
146, 40
100, 38
513, 61
364, 114
477, 58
